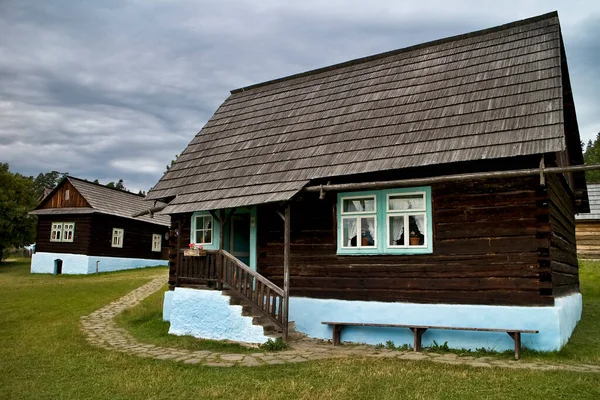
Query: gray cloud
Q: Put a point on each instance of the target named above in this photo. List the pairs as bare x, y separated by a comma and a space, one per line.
115, 89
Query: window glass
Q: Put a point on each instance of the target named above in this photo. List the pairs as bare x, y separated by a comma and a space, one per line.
368, 232
417, 229
406, 202
68, 230
396, 230
117, 237
156, 242
204, 226
366, 204
349, 232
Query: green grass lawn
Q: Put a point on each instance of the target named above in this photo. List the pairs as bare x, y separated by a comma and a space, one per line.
43, 355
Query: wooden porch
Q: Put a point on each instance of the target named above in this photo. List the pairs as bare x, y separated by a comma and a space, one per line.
220, 270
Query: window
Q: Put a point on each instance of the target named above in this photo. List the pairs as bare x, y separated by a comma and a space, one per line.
204, 231
56, 233
359, 222
62, 232
117, 237
395, 221
67, 194
156, 242
68, 231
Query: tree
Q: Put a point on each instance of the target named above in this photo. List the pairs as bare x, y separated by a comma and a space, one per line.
47, 180
119, 185
17, 198
172, 162
592, 156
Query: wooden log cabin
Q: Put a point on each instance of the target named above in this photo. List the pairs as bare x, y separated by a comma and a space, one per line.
588, 226
85, 228
431, 185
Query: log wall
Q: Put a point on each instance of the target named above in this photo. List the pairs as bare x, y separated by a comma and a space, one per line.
487, 236
137, 237
81, 237
588, 239
563, 244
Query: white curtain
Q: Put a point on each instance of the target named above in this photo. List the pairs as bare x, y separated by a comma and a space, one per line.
371, 228
351, 230
419, 220
397, 229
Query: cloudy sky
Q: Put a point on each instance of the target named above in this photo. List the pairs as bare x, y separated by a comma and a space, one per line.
115, 88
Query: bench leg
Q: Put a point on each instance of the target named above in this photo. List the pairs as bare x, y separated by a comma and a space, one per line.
337, 334
418, 333
516, 336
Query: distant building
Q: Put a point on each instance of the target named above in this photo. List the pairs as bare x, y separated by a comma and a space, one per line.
588, 226
85, 227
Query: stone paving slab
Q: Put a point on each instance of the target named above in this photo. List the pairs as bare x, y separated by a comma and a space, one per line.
102, 331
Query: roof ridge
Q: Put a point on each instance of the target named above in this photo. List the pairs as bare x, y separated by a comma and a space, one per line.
481, 32
106, 187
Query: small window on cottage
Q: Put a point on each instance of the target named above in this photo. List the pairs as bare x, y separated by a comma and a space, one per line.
387, 221
56, 232
407, 220
67, 194
359, 222
156, 242
68, 231
117, 237
62, 232
204, 229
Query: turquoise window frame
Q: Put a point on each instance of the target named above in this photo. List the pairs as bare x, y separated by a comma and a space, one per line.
215, 245
381, 222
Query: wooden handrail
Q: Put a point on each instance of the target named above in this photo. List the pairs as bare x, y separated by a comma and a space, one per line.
252, 272
261, 293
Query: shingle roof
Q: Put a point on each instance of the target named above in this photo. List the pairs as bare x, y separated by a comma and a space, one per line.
489, 94
109, 201
593, 191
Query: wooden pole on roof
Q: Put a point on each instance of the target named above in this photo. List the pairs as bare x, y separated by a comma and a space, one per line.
286, 272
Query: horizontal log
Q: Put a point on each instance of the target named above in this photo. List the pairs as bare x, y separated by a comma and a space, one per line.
401, 284
565, 290
498, 297
561, 279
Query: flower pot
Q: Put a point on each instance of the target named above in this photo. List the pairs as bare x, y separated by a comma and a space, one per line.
414, 240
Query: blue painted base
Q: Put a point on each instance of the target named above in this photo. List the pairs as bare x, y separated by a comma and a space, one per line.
555, 323
77, 264
207, 314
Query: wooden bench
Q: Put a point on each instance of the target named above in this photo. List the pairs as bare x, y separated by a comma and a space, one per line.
418, 331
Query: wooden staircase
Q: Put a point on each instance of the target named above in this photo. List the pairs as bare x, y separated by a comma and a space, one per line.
270, 328
260, 298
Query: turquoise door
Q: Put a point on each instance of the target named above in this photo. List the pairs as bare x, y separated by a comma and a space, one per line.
239, 237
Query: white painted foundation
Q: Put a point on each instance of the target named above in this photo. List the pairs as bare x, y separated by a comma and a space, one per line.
77, 264
198, 313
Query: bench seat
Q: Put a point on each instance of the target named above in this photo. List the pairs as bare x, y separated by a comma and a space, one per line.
418, 331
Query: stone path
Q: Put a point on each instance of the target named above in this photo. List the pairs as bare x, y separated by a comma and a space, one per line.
103, 332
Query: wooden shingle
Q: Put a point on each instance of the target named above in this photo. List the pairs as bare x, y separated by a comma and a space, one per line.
489, 94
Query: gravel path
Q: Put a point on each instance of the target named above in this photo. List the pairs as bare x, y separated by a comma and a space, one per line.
103, 332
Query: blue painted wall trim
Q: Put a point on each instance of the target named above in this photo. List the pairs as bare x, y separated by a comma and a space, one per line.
555, 323
77, 264
380, 209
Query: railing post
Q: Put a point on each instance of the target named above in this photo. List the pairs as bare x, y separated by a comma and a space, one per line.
178, 260
220, 254
286, 272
